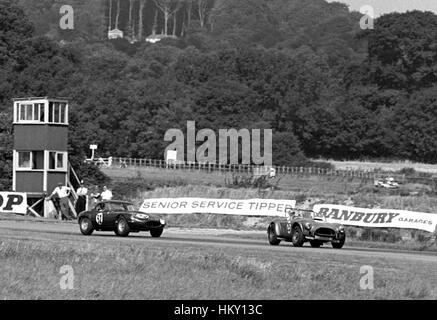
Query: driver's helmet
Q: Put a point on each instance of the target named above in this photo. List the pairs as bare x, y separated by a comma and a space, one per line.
298, 215
290, 212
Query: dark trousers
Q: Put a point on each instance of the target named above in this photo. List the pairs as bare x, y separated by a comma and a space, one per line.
80, 204
63, 202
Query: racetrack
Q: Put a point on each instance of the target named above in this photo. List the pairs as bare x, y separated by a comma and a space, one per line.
68, 232
199, 264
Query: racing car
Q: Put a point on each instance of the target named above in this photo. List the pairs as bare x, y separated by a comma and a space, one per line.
387, 183
302, 226
120, 217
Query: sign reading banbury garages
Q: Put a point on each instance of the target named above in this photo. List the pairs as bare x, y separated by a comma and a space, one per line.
250, 207
13, 202
374, 218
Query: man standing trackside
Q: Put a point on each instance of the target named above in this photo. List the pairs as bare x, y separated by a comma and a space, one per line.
62, 192
106, 194
82, 193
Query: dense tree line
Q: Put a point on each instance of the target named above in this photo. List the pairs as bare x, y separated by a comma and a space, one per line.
302, 68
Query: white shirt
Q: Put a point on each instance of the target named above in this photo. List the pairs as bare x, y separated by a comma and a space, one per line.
106, 195
62, 191
82, 191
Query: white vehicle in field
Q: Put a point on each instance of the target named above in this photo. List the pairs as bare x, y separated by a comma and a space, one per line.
387, 183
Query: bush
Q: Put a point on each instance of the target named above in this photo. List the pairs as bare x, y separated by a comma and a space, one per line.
249, 181
380, 235
131, 188
89, 173
408, 171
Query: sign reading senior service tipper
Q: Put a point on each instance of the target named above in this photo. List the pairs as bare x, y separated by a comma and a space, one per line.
374, 218
250, 207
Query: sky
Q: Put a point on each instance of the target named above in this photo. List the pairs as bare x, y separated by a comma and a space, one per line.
386, 6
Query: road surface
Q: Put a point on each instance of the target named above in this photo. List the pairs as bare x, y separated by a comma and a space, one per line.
68, 233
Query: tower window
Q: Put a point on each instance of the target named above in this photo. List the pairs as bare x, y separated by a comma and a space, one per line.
57, 160
22, 111
38, 160
30, 112
57, 112
24, 160
27, 112
31, 160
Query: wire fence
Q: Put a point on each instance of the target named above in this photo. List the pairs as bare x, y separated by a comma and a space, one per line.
119, 162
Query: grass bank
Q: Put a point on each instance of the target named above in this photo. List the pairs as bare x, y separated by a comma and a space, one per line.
31, 270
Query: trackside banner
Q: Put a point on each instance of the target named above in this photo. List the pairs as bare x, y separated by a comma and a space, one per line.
251, 207
13, 202
377, 218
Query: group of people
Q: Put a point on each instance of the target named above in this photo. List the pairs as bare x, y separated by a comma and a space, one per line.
61, 194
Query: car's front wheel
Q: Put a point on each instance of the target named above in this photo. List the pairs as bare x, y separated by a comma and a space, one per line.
86, 226
298, 238
340, 244
122, 227
156, 233
273, 238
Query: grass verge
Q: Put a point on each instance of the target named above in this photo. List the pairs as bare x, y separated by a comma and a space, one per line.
119, 270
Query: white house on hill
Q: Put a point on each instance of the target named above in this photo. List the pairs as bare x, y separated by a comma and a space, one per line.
115, 34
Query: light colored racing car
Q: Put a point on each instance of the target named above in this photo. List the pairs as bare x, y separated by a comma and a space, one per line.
302, 226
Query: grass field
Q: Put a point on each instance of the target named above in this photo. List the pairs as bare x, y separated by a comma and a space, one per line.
31, 270
310, 185
385, 166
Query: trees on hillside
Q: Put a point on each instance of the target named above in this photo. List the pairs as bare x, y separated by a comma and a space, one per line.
249, 21
415, 128
321, 89
402, 50
168, 9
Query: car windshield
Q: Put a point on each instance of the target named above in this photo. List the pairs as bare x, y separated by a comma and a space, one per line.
306, 215
309, 215
318, 216
122, 206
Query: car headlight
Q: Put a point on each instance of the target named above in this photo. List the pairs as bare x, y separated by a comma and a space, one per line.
308, 226
141, 216
162, 221
340, 229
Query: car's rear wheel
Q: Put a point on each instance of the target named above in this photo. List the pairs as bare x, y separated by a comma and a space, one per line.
122, 227
298, 238
315, 243
156, 233
271, 233
339, 245
86, 226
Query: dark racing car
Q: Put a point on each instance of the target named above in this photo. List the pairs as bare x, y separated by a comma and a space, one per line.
120, 217
302, 226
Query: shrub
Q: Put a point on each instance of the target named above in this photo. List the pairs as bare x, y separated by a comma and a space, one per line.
248, 181
90, 173
408, 171
380, 235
